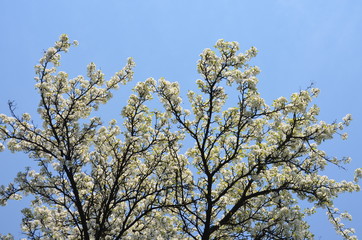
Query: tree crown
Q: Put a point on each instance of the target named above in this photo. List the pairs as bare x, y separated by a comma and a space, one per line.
243, 175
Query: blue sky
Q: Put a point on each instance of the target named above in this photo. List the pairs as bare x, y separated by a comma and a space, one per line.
299, 41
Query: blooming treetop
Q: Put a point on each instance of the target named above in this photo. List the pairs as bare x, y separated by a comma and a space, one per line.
243, 177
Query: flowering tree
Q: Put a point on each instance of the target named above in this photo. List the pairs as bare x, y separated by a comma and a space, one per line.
242, 178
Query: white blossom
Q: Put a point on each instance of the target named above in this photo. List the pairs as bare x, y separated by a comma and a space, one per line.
357, 174
347, 119
344, 136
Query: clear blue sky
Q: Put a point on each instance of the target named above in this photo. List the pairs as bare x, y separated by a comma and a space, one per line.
299, 41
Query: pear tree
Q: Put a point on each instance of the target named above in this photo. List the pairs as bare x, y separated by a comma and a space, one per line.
229, 167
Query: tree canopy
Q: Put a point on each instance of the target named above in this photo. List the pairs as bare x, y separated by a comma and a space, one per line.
230, 167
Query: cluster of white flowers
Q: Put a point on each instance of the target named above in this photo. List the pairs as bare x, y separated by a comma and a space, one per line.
357, 174
347, 119
335, 217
